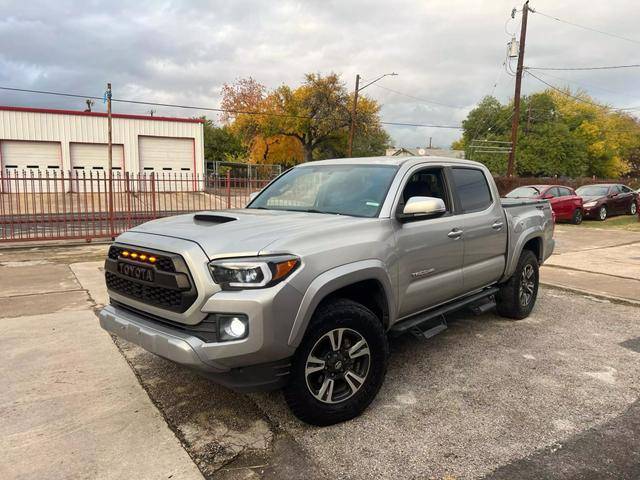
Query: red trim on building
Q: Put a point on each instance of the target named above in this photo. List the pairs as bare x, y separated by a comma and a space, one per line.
98, 114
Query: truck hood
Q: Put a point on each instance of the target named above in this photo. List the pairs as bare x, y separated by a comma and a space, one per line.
230, 233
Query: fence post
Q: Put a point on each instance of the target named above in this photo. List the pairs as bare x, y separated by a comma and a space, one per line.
228, 188
153, 195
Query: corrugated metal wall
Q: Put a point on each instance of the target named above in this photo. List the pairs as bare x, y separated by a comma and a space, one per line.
66, 128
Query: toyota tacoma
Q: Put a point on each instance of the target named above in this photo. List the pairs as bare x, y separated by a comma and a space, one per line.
301, 289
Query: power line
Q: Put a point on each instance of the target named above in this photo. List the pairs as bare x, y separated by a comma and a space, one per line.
208, 109
620, 37
417, 98
610, 67
583, 84
402, 124
578, 98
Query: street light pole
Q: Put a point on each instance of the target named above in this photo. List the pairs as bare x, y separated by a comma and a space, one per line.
352, 130
354, 109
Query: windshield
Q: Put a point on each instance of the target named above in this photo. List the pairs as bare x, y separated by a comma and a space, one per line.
523, 192
356, 190
592, 191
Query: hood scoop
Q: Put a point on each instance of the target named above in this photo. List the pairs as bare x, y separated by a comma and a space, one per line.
212, 218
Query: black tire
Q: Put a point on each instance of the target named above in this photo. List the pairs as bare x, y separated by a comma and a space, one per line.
354, 319
576, 219
602, 213
509, 300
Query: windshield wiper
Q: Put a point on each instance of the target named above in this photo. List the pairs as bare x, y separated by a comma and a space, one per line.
313, 210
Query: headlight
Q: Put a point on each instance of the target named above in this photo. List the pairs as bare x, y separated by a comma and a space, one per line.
254, 272
590, 204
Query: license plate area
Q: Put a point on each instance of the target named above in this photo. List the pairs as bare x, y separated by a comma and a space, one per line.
136, 272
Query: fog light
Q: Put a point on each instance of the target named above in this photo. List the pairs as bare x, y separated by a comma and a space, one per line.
233, 327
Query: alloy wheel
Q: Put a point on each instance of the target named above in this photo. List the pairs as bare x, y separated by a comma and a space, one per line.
527, 285
337, 366
602, 213
634, 208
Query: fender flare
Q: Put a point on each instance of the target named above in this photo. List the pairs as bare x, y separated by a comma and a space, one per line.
333, 280
529, 234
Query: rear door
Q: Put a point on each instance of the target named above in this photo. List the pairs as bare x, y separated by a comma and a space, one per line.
618, 200
484, 228
553, 195
566, 202
627, 198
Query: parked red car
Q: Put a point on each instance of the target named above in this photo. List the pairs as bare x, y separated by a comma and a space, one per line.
606, 199
564, 202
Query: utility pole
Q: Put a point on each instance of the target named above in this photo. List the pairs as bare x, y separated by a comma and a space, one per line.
352, 130
516, 97
110, 156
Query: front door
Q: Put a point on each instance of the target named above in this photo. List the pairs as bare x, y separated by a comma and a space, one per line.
430, 250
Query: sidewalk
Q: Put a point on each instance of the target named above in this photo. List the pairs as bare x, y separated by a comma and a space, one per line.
71, 406
597, 262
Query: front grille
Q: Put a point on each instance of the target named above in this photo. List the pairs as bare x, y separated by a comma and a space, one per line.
156, 296
163, 263
172, 288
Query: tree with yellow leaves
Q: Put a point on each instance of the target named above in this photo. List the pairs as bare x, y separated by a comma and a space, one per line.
287, 125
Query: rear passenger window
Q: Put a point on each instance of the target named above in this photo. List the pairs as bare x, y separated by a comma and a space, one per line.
564, 192
473, 189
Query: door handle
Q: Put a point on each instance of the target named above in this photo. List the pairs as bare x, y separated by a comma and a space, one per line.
455, 233
497, 225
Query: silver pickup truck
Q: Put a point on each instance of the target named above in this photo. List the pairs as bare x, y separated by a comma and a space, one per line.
302, 288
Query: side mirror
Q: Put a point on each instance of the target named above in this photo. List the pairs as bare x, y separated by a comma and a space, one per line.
417, 207
547, 196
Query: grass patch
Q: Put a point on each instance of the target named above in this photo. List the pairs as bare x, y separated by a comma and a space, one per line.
623, 222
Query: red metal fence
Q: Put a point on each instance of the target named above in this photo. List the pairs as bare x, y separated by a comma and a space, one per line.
54, 205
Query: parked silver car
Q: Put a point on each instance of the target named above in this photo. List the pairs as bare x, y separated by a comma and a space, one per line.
302, 288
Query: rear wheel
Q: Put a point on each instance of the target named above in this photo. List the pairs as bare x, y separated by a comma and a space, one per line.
339, 366
633, 209
602, 213
517, 296
576, 219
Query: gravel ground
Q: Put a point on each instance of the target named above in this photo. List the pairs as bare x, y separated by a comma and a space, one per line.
487, 394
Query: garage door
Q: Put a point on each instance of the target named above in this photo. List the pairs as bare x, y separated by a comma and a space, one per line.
91, 161
30, 160
171, 160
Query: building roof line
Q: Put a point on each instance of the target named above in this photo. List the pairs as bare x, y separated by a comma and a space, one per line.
55, 111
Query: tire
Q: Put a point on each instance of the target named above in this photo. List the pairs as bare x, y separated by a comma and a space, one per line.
602, 213
633, 208
317, 365
509, 300
576, 218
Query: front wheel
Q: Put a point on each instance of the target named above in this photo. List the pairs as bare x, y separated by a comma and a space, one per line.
517, 296
339, 366
576, 219
602, 213
633, 209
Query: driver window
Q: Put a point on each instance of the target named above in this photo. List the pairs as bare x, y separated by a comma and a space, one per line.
426, 183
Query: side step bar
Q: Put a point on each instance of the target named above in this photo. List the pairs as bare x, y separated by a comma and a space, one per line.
429, 323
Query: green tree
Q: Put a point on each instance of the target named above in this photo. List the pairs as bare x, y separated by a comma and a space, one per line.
221, 144
560, 134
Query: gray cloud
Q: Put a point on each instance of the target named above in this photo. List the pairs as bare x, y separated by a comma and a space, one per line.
447, 51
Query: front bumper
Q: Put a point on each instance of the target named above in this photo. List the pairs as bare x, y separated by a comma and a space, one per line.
190, 351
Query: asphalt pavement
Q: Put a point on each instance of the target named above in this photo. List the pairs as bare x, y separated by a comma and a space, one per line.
551, 396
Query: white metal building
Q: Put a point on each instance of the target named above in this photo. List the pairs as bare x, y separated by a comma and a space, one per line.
47, 140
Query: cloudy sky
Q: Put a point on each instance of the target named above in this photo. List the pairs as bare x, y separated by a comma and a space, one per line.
448, 53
